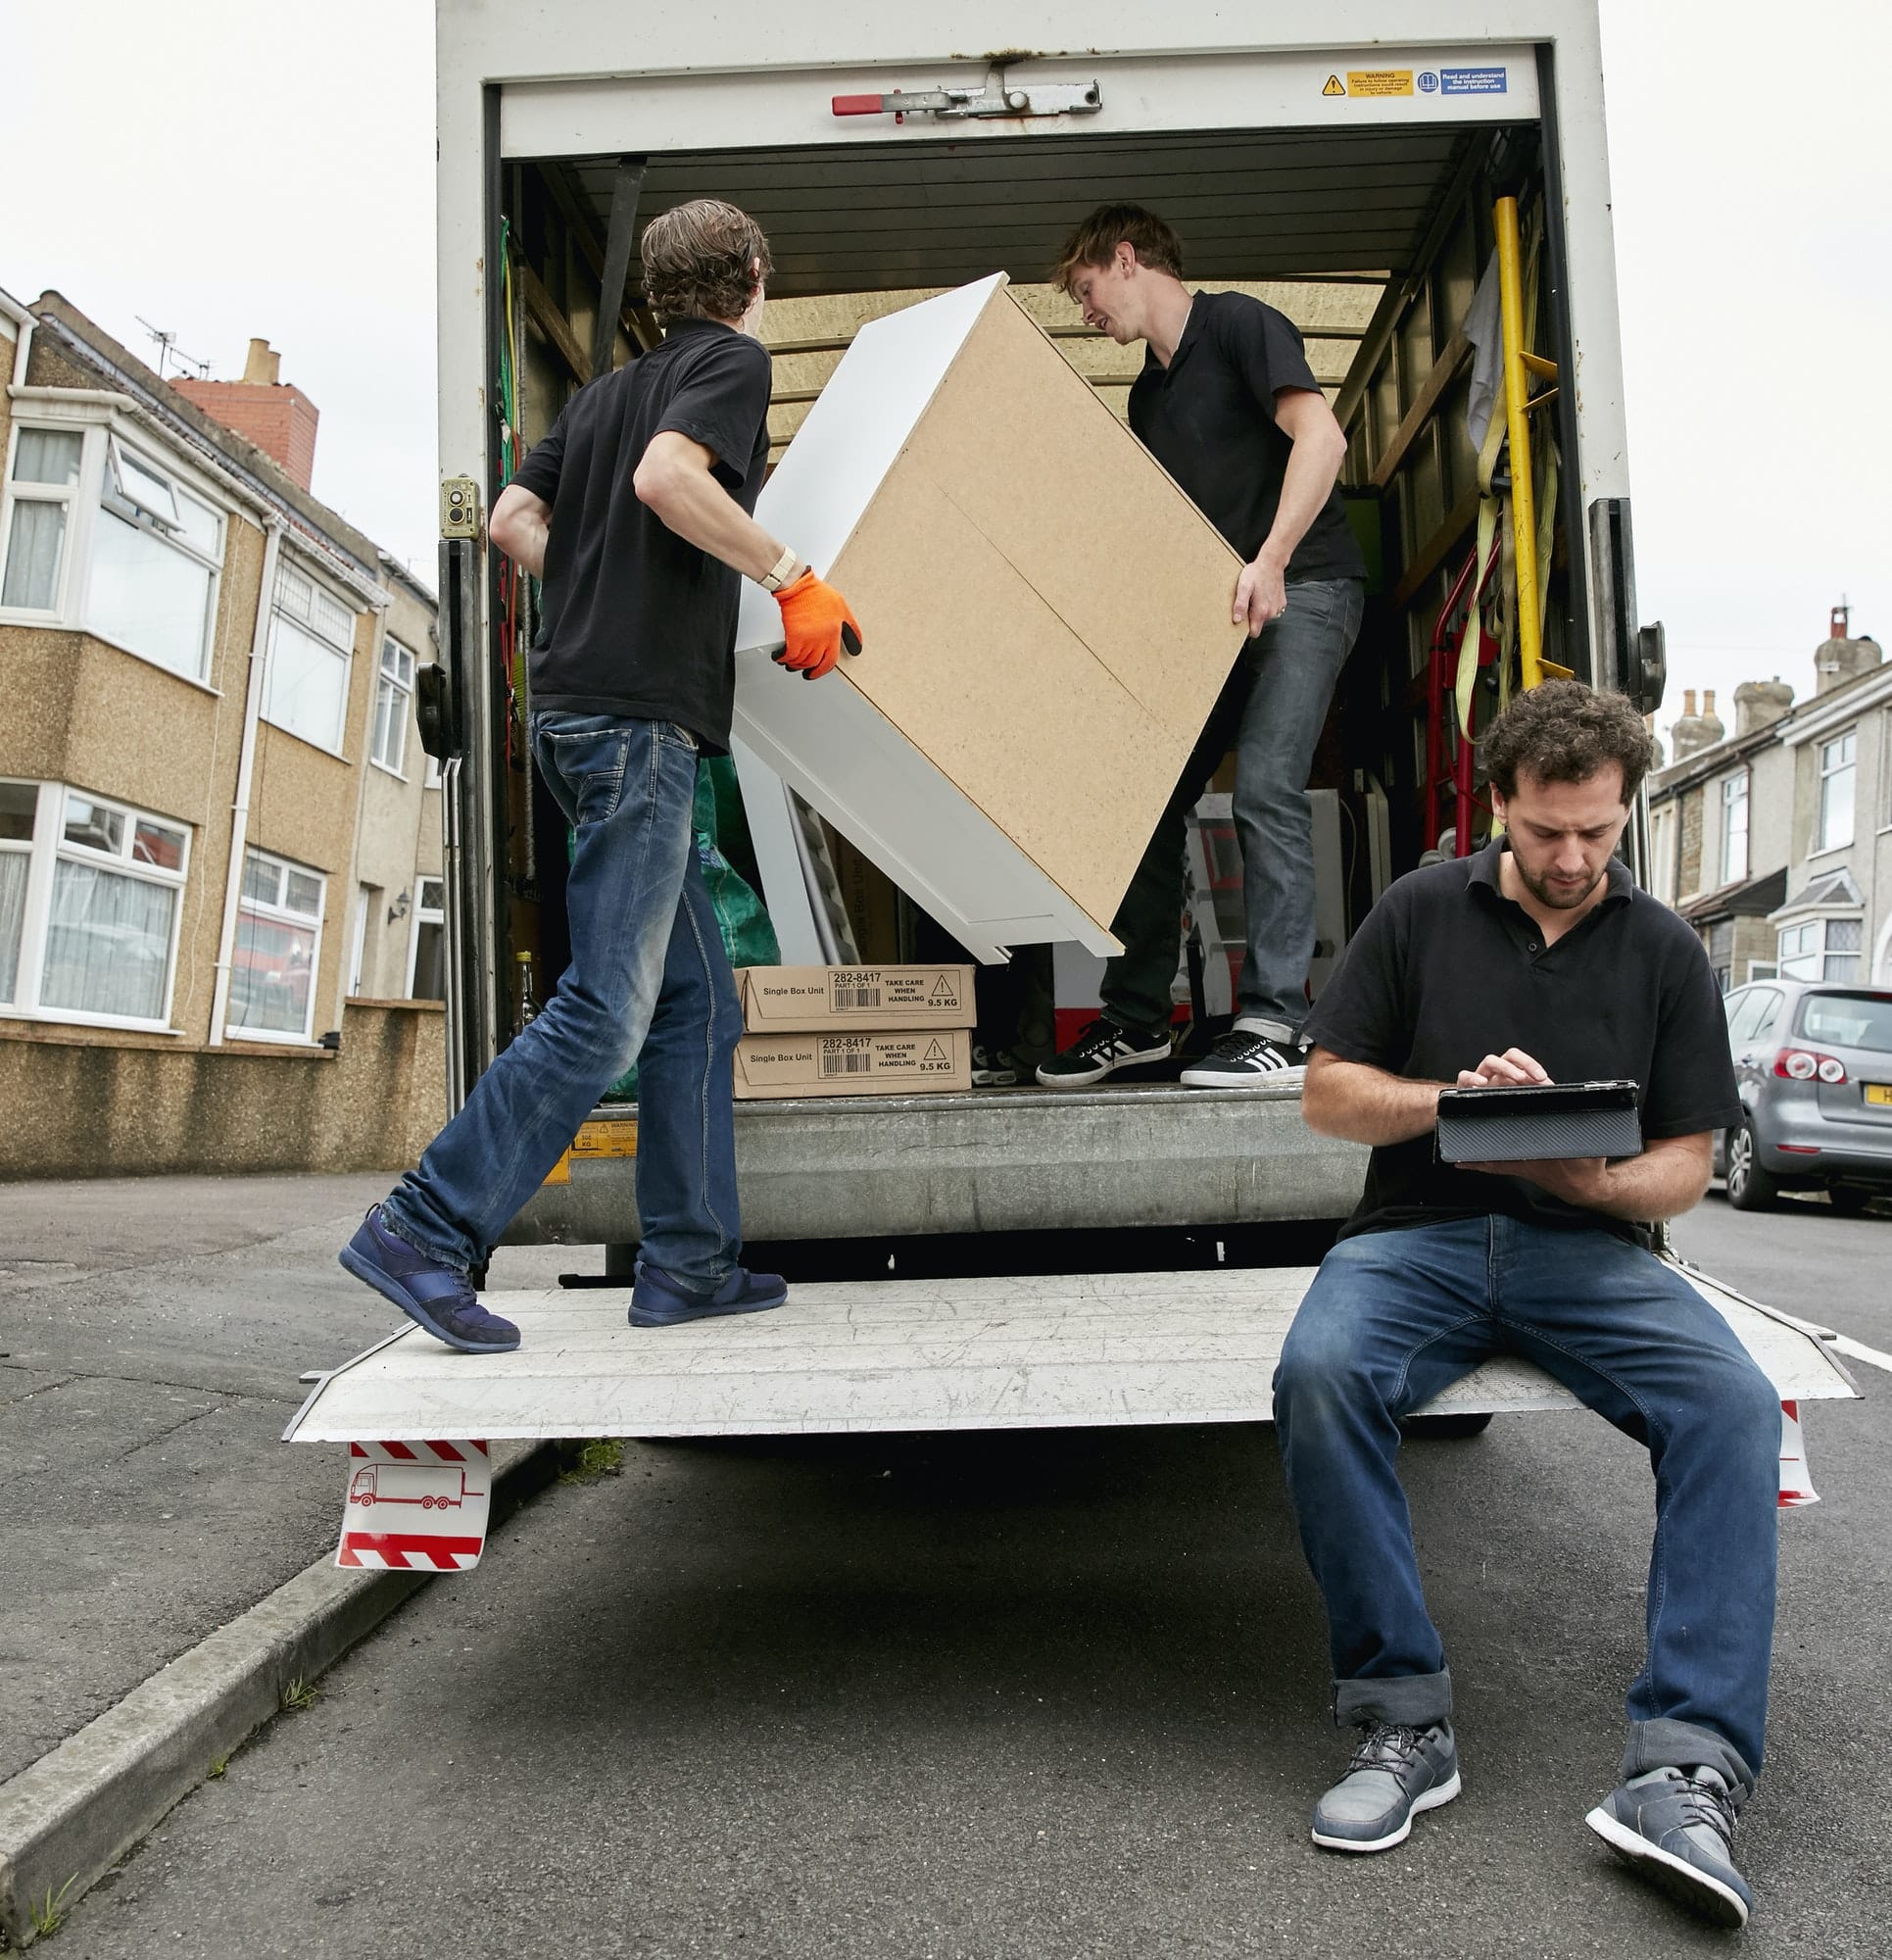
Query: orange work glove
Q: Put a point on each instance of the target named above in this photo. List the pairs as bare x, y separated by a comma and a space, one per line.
819, 625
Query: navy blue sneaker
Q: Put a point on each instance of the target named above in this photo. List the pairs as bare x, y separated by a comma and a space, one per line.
1676, 1827
659, 1300
437, 1298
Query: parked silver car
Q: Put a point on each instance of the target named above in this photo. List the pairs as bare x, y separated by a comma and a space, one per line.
1814, 1060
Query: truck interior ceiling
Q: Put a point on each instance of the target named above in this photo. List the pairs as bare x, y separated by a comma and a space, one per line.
1373, 240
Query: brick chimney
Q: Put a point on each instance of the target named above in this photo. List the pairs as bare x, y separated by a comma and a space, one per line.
279, 419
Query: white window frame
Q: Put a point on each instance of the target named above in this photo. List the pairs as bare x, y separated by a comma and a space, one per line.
278, 913
1730, 803
1763, 969
424, 914
294, 566
1847, 740
49, 848
69, 495
106, 439
392, 689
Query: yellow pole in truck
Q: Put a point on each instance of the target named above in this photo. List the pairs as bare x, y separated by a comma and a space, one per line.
1524, 512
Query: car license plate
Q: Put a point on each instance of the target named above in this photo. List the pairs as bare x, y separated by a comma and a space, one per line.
1880, 1092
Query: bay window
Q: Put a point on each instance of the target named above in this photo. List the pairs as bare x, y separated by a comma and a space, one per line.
90, 900
103, 535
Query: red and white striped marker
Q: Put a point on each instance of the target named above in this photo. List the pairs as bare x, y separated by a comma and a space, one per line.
416, 1506
1796, 1480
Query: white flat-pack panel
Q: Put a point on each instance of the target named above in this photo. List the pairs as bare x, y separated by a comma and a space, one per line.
853, 436
915, 1355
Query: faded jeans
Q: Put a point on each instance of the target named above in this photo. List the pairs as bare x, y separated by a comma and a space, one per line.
1394, 1317
649, 983
1273, 706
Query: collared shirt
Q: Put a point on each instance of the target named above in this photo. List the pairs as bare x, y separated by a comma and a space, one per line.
1447, 970
1209, 420
637, 620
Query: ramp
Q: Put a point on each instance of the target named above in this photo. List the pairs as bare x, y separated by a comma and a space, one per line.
917, 1354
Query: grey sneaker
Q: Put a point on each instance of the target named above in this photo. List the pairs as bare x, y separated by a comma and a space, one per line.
1676, 1828
1396, 1773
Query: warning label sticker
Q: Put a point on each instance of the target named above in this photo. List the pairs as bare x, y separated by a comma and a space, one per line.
1472, 81
416, 1506
1334, 87
1379, 81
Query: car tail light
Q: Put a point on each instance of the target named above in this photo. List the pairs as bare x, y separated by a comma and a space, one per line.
1801, 1064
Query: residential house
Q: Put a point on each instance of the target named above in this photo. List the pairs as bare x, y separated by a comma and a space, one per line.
1775, 842
219, 840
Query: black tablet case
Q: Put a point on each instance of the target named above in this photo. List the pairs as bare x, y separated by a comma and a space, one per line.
1550, 1120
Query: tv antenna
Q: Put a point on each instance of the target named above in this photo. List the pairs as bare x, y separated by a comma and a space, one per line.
168, 350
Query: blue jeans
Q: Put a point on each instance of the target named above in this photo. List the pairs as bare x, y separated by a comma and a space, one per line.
649, 983
1273, 709
1394, 1317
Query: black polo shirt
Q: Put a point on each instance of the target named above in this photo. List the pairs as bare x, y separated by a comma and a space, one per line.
1447, 970
637, 622
1209, 420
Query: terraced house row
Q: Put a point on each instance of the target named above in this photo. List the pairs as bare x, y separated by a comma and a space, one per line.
221, 930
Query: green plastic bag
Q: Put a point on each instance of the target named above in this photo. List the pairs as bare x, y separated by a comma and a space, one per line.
749, 937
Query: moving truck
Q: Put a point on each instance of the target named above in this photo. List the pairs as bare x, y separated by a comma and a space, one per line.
1360, 166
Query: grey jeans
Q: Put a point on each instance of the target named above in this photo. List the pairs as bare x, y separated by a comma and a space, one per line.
1273, 706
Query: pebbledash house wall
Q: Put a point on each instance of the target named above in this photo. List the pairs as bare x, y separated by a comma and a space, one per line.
84, 1099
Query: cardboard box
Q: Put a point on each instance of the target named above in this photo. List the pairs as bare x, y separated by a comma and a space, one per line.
872, 903
1045, 618
853, 1065
799, 999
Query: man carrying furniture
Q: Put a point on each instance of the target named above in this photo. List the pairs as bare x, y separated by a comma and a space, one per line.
636, 511
1227, 404
1536, 959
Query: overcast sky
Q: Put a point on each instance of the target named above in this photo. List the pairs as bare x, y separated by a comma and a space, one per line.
223, 173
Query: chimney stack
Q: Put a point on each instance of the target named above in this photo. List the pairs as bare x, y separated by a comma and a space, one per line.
279, 419
1759, 703
1694, 732
1839, 657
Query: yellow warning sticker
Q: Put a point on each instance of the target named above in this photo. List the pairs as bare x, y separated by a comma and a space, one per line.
1334, 87
614, 1139
1379, 81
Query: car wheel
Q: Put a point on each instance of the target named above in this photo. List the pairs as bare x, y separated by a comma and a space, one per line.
1848, 1200
1749, 1187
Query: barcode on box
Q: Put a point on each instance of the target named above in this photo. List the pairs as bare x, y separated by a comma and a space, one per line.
847, 1062
856, 997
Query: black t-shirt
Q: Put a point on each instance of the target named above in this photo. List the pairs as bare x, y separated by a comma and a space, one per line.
1447, 970
637, 622
1209, 420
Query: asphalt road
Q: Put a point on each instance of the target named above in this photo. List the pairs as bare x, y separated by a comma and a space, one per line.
1038, 1695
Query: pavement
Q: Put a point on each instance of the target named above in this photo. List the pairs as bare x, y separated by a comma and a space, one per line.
1034, 1694
151, 1334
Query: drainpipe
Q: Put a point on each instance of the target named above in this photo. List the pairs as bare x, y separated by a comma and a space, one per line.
22, 345
245, 768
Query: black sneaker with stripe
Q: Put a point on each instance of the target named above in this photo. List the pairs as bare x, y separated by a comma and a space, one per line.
1241, 1059
1103, 1049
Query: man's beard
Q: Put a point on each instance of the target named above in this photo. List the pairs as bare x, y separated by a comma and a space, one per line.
1563, 898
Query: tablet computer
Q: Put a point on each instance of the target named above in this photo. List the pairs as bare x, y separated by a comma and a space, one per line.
1545, 1119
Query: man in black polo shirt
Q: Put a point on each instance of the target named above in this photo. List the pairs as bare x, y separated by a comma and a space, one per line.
1535, 959
635, 511
1227, 404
